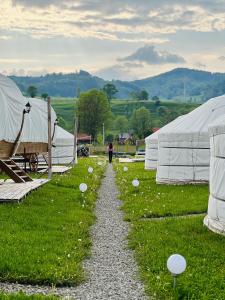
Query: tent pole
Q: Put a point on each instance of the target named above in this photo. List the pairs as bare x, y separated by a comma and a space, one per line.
75, 141
49, 140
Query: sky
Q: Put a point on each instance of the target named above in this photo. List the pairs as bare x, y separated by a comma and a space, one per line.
112, 39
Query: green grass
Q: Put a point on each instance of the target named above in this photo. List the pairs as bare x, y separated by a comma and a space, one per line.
45, 238
153, 200
154, 241
22, 296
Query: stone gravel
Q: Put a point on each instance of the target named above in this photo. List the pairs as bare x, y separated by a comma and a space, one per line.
111, 270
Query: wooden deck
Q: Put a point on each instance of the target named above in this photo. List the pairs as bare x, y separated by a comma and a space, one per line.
15, 192
131, 160
56, 169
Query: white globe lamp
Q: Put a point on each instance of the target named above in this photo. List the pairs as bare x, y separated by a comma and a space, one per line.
135, 183
83, 187
125, 169
176, 264
90, 170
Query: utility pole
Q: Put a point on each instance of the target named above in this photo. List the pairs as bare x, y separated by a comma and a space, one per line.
49, 139
103, 134
75, 161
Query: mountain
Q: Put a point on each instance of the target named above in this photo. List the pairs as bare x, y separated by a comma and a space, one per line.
170, 85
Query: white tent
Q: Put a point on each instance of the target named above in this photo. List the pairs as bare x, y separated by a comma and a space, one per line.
12, 104
215, 219
151, 151
36, 122
62, 152
34, 136
151, 146
183, 155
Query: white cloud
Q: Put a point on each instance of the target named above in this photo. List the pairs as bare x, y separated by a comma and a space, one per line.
148, 20
148, 54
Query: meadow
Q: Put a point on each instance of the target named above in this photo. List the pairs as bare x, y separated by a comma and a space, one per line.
45, 238
167, 220
65, 109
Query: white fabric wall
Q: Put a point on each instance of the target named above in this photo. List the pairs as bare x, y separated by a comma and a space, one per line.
62, 153
151, 146
183, 155
215, 219
151, 151
12, 104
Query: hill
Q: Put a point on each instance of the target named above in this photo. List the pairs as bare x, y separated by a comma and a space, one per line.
181, 83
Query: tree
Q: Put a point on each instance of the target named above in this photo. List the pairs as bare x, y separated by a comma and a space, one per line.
110, 90
121, 124
143, 95
93, 110
44, 96
140, 122
134, 95
32, 91
155, 98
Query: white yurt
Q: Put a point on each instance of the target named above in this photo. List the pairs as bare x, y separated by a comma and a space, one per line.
215, 220
151, 151
63, 150
151, 146
32, 137
183, 153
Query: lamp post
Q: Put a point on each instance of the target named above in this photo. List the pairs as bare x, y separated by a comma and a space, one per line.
49, 139
26, 110
55, 124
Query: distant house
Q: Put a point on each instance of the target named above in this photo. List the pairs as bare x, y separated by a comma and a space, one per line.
123, 138
83, 138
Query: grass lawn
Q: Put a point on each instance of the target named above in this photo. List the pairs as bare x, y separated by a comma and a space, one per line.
45, 238
21, 296
153, 200
154, 240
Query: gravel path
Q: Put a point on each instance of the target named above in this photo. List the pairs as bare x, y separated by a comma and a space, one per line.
111, 271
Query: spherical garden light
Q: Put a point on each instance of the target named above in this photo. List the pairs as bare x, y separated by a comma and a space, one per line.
100, 163
83, 187
125, 169
90, 170
135, 183
176, 264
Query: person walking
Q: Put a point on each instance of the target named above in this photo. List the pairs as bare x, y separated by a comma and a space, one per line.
110, 152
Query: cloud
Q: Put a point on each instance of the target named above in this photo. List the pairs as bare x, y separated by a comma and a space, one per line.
149, 55
36, 3
122, 71
221, 58
112, 20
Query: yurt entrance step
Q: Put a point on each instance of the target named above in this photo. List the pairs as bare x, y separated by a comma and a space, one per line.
14, 171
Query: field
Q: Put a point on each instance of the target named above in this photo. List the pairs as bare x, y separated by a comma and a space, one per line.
65, 108
160, 228
45, 238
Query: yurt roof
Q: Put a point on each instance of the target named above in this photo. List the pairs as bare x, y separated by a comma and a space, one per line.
12, 104
154, 136
36, 122
196, 122
63, 137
